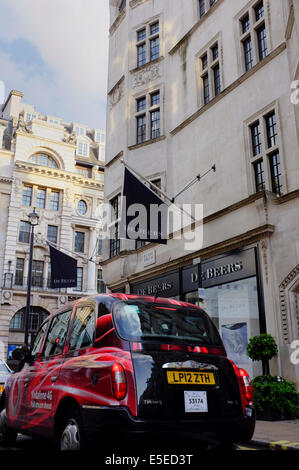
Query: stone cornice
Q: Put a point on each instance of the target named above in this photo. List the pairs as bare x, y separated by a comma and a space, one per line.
230, 88
62, 175
240, 241
117, 22
45, 139
147, 142
290, 24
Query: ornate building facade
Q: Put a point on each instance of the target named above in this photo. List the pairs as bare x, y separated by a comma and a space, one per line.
192, 84
58, 169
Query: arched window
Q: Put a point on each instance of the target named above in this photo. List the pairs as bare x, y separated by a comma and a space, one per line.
36, 317
43, 159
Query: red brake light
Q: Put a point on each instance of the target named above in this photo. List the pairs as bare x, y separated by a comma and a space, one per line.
119, 382
246, 384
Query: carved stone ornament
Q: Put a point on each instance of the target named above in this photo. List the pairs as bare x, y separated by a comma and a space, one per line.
22, 125
146, 75
116, 93
70, 138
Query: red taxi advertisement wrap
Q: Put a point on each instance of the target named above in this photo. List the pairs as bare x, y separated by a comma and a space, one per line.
135, 365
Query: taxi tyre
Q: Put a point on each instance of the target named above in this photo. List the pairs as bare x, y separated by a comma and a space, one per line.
8, 436
71, 435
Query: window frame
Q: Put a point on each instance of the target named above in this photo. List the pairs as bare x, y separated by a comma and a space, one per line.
148, 42
27, 224
207, 63
251, 33
266, 152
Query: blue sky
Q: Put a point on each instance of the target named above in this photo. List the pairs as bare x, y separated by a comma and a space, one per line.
56, 53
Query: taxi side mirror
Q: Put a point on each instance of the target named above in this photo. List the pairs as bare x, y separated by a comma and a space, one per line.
21, 354
103, 325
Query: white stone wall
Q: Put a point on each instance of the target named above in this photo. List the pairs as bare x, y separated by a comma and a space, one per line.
196, 137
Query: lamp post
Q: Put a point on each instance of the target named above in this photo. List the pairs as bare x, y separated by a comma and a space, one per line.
33, 220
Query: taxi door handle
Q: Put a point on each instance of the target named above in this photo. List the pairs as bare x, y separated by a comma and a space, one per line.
53, 378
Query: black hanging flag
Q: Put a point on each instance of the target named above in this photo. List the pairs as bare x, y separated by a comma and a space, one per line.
63, 269
144, 214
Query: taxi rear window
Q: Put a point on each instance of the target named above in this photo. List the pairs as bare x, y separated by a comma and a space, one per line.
146, 321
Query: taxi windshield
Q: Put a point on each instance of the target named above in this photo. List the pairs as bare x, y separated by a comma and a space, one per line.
143, 321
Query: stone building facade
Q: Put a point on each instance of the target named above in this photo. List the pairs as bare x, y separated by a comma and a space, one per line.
58, 169
192, 84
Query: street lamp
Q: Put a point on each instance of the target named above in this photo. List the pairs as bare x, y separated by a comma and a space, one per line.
33, 220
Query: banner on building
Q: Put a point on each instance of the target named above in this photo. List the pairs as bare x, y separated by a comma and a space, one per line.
144, 215
63, 269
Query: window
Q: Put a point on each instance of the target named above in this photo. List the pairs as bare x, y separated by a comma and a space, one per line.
36, 317
206, 89
79, 286
262, 42
141, 55
30, 116
141, 104
122, 5
245, 24
52, 233
100, 246
37, 273
248, 58
19, 274
259, 11
82, 170
204, 6
141, 129
155, 124
80, 131
148, 43
114, 231
24, 232
217, 80
43, 160
272, 135
83, 149
265, 154
41, 198
154, 48
210, 73
79, 242
259, 175
253, 35
82, 207
276, 182
54, 200
148, 119
83, 329
27, 196
56, 335
101, 288
256, 138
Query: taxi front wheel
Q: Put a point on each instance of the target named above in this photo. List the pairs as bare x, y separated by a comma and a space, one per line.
71, 434
8, 437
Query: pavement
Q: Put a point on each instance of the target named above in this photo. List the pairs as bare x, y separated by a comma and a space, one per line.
278, 435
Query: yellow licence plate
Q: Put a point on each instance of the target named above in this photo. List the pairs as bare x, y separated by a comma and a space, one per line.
193, 378
1, 388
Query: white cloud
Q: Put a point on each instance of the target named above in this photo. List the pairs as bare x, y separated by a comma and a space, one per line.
72, 39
